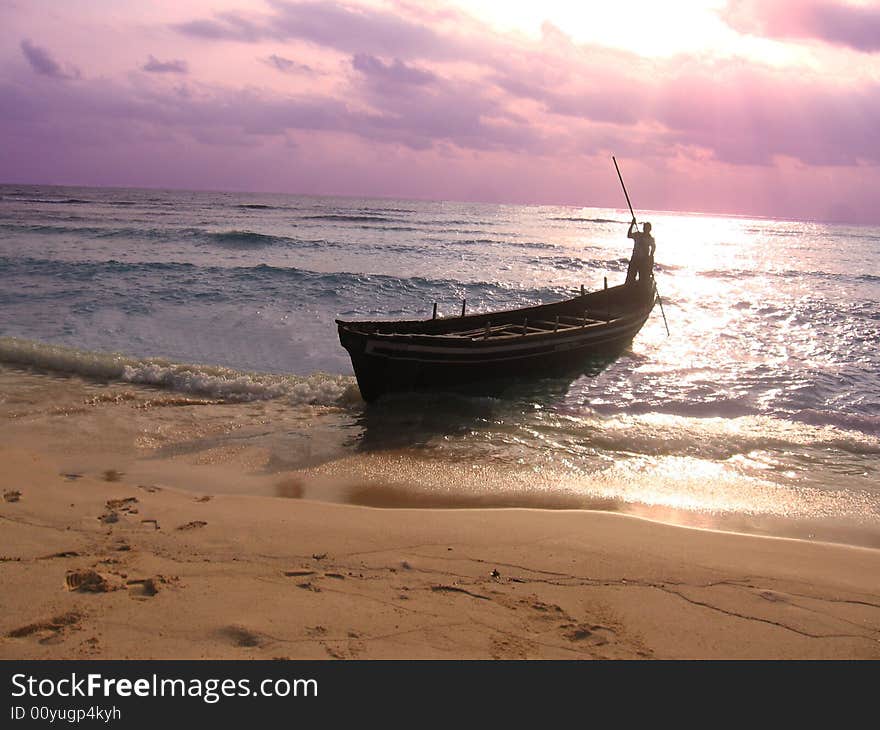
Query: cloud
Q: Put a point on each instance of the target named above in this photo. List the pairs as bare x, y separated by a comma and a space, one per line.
395, 72
176, 66
43, 63
228, 26
410, 115
853, 26
750, 117
398, 82
421, 109
739, 113
286, 65
601, 102
549, 97
350, 29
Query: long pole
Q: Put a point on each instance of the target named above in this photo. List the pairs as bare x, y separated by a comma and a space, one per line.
624, 187
660, 302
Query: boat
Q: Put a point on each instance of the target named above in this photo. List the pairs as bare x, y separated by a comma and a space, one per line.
474, 352
477, 352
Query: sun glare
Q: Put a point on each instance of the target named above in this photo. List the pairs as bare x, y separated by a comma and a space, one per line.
642, 26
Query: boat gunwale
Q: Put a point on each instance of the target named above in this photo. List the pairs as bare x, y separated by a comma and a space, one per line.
500, 351
357, 327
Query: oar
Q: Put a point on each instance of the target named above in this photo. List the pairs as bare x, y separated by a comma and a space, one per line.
660, 302
623, 185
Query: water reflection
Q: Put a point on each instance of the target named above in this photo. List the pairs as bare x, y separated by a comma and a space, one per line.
408, 420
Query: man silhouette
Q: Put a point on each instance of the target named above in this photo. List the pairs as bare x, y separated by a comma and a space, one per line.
641, 263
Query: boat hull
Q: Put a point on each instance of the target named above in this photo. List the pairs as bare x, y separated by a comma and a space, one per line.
386, 361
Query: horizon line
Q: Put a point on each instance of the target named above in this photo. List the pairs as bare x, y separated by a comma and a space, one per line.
708, 213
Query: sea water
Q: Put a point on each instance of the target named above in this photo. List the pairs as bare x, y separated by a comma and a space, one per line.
763, 400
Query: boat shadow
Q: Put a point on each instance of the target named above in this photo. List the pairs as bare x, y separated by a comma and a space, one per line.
407, 420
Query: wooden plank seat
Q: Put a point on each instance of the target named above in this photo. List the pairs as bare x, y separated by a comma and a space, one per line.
508, 329
579, 321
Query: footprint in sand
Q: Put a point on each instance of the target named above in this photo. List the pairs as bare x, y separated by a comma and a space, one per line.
111, 475
548, 610
49, 631
334, 652
508, 648
127, 504
144, 587
772, 596
595, 634
192, 525
13, 495
241, 637
91, 581
62, 554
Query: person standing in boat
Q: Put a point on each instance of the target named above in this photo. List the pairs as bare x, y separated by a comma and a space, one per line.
641, 263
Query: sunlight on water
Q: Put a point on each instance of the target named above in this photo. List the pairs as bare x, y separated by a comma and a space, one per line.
764, 399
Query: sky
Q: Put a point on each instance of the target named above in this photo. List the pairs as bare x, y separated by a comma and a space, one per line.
751, 107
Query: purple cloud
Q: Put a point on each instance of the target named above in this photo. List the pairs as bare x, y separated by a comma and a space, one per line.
535, 104
175, 66
396, 72
740, 114
599, 102
420, 109
748, 117
43, 63
228, 26
350, 29
285, 65
105, 110
443, 105
852, 26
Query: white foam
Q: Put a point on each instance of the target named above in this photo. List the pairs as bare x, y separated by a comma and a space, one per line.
206, 380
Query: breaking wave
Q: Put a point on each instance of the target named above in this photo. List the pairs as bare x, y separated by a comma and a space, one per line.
352, 218
159, 278
788, 274
203, 380
246, 239
54, 201
586, 220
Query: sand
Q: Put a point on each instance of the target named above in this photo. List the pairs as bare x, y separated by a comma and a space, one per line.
104, 554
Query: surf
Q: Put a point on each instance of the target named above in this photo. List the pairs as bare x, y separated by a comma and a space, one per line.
212, 381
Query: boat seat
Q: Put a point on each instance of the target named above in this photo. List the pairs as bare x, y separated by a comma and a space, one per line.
477, 331
578, 321
507, 329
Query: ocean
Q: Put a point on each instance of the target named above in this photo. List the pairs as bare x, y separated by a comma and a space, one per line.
760, 411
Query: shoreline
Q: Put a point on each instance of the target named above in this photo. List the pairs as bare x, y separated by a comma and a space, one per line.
340, 454
103, 555
175, 575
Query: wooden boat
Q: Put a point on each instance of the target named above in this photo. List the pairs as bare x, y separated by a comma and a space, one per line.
471, 351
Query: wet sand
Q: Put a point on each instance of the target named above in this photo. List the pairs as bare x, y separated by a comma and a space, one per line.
125, 533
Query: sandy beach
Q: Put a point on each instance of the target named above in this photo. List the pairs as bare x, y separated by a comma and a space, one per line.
395, 330
103, 554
